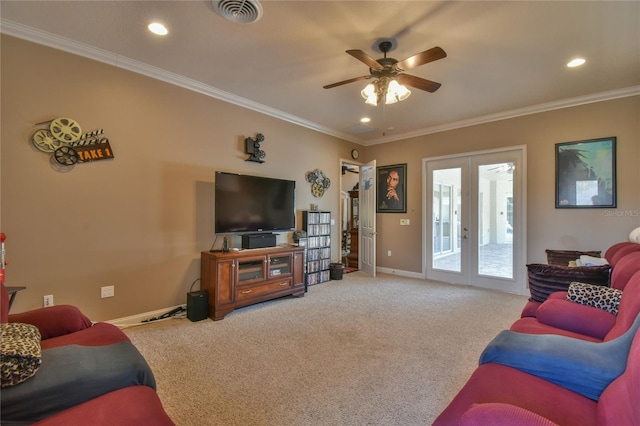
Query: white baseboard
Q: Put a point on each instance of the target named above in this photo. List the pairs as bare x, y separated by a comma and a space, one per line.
138, 319
401, 273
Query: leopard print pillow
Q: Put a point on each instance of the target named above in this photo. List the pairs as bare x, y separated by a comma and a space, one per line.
20, 353
594, 295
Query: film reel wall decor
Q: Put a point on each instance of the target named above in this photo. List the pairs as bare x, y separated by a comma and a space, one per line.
63, 138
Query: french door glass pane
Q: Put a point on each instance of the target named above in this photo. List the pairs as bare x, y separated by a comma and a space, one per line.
446, 219
495, 220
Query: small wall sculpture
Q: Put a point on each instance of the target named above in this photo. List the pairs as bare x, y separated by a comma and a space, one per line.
319, 182
252, 147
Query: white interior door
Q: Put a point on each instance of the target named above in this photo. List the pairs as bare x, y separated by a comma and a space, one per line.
475, 230
367, 246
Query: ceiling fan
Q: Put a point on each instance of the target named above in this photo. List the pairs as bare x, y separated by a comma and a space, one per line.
386, 70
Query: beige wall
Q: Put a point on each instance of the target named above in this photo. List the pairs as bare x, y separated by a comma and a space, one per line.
138, 221
548, 227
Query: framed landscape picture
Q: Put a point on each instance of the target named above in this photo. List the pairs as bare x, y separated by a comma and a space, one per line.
586, 174
392, 186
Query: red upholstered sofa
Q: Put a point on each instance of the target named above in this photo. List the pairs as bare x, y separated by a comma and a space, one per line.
501, 395
65, 330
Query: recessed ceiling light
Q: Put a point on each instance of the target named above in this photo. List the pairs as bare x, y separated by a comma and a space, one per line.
158, 29
365, 120
576, 62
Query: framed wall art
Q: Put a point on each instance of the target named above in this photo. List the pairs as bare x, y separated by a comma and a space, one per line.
586, 174
392, 189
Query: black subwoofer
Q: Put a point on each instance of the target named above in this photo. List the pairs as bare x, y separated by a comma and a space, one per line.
197, 305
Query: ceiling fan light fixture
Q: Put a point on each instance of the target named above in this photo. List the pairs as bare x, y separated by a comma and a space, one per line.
390, 89
396, 92
370, 94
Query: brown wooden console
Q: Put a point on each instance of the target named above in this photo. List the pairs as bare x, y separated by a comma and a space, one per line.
240, 278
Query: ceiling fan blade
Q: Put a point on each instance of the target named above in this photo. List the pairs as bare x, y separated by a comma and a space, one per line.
418, 82
366, 59
422, 58
351, 80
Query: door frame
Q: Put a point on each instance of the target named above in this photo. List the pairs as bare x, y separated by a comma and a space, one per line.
520, 249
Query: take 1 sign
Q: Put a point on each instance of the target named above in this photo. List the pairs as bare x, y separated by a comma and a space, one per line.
64, 139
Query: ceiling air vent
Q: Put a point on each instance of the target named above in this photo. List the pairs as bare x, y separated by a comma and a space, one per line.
238, 11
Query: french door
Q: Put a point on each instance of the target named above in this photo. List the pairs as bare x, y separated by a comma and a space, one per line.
474, 222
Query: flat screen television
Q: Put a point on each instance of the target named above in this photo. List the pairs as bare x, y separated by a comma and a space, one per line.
253, 204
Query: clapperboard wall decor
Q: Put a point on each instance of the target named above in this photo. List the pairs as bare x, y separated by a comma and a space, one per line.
63, 138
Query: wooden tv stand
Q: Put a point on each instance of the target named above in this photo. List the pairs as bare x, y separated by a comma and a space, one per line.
239, 278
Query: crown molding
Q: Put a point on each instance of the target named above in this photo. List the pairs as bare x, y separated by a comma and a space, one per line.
70, 46
534, 109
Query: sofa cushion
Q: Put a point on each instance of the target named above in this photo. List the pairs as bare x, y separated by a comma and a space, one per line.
494, 413
100, 334
618, 403
605, 298
71, 375
21, 354
501, 384
622, 252
624, 270
629, 308
54, 321
133, 405
583, 367
546, 279
575, 317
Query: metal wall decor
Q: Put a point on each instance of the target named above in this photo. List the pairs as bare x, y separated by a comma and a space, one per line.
63, 138
319, 182
252, 147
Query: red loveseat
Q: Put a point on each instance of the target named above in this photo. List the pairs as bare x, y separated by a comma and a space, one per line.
126, 400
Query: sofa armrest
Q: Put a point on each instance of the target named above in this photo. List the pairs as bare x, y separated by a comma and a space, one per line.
559, 295
575, 317
502, 414
54, 321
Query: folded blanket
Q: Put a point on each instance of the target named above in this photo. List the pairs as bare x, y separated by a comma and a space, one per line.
586, 260
70, 375
581, 366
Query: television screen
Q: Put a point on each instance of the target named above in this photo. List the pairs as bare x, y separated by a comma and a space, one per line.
246, 204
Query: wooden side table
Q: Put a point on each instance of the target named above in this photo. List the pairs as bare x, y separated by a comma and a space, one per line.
12, 293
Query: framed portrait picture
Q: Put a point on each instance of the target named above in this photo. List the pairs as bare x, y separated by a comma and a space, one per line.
586, 174
392, 189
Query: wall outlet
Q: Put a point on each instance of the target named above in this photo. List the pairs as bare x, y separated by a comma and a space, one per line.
47, 300
389, 253
107, 291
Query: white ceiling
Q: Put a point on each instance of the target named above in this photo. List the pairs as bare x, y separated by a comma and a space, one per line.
504, 58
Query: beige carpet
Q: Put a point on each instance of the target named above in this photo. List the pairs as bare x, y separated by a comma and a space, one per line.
358, 351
